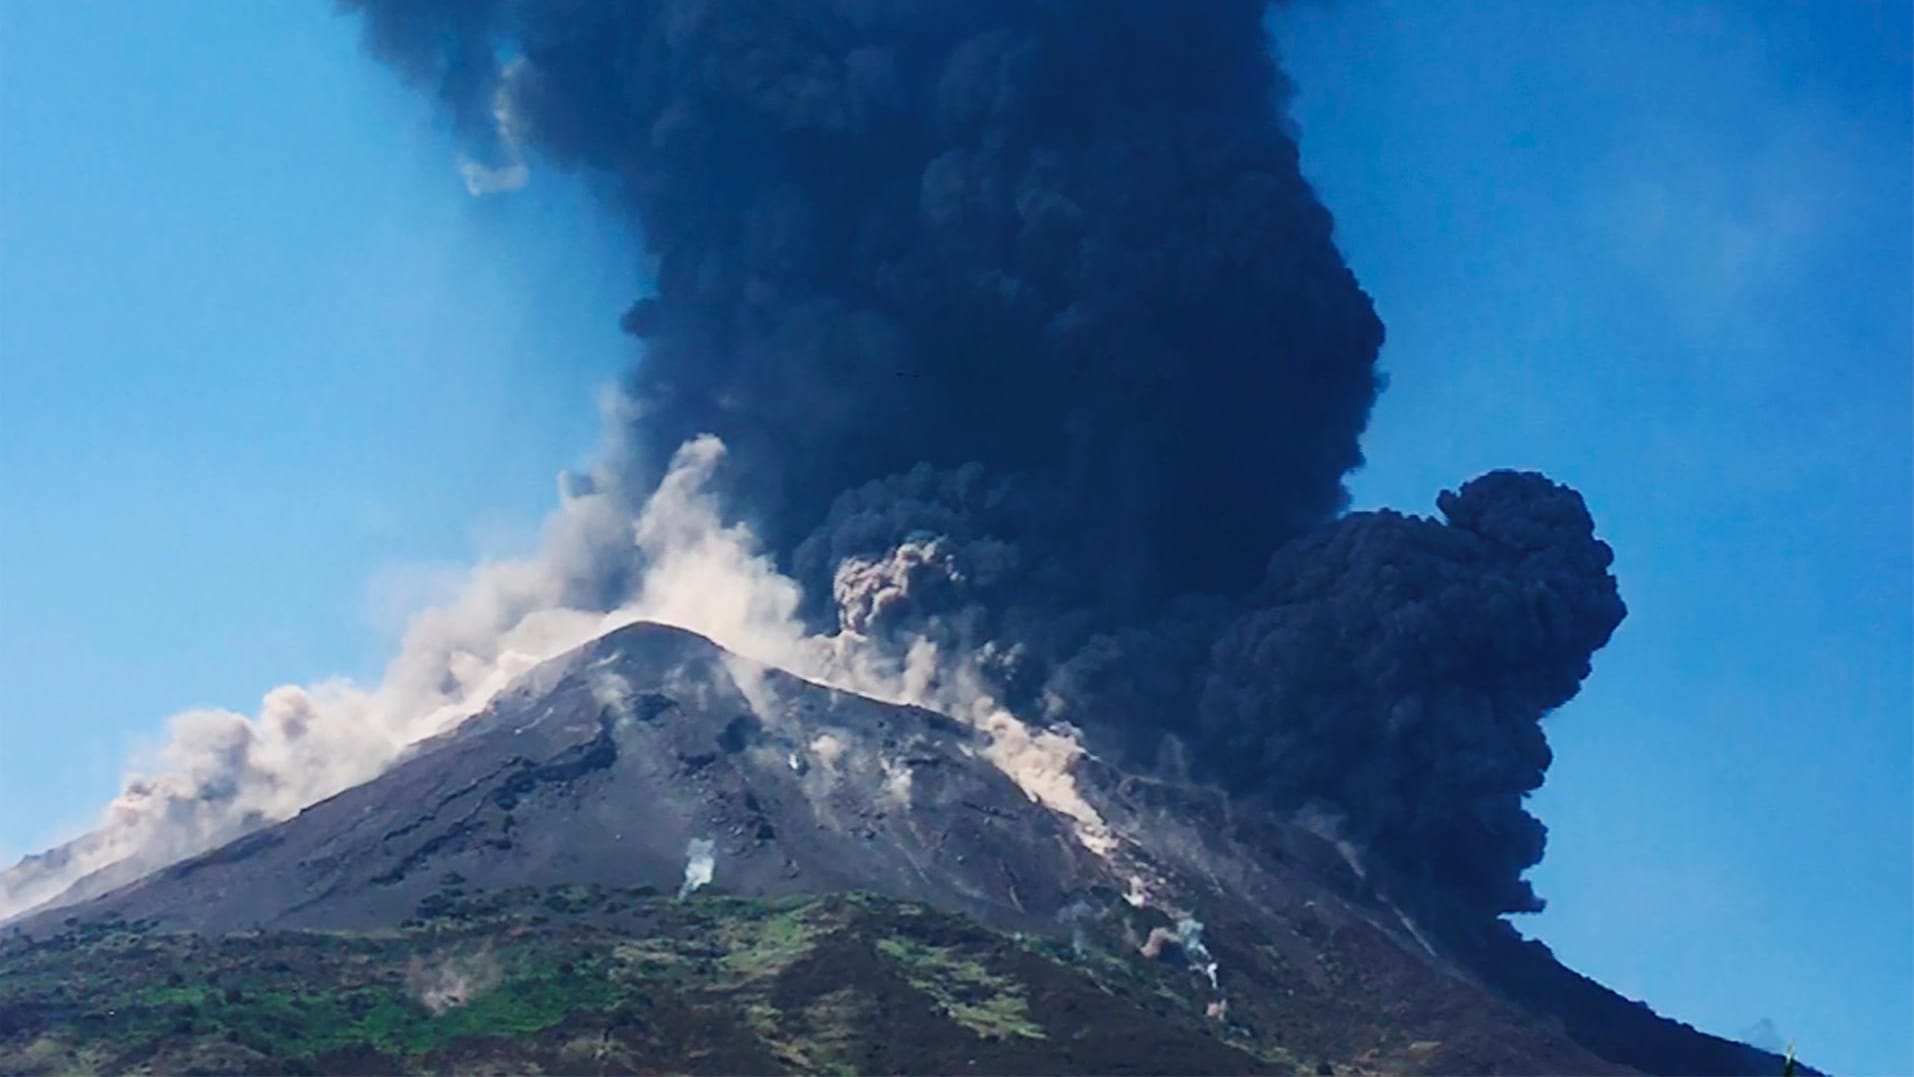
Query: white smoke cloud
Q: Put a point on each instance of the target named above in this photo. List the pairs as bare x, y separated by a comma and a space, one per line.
482, 179
510, 172
1189, 932
709, 577
220, 774
612, 693
701, 862
897, 782
1188, 937
828, 748
451, 982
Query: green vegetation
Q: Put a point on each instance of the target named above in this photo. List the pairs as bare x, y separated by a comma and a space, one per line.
985, 1003
763, 942
581, 978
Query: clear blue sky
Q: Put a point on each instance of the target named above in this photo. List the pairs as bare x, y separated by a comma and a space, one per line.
261, 357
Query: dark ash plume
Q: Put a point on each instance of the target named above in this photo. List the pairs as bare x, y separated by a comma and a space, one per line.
1066, 240
1027, 338
1399, 668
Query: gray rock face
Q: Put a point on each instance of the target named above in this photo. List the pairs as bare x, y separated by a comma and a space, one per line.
603, 766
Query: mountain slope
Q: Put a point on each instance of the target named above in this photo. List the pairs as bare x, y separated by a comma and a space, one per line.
590, 980
609, 766
643, 742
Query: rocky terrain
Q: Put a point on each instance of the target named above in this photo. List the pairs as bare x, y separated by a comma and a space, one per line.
571, 815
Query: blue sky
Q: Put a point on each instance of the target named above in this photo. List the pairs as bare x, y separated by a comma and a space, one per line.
260, 355
264, 366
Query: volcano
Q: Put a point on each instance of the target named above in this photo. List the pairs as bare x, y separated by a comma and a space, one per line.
653, 762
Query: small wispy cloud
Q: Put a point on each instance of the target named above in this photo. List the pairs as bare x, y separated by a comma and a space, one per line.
482, 179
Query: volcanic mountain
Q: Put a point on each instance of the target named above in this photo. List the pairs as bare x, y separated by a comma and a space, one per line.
652, 761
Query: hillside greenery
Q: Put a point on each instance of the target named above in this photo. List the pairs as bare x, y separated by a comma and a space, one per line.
580, 980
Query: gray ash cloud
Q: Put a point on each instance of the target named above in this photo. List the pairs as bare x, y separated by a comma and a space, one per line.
1026, 335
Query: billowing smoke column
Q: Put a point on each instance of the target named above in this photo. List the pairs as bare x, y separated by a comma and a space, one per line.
1398, 668
1027, 340
1034, 375
1016, 317
1025, 346
1065, 241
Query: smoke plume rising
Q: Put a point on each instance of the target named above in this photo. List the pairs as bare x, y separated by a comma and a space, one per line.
1000, 360
1030, 343
220, 774
451, 981
700, 863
